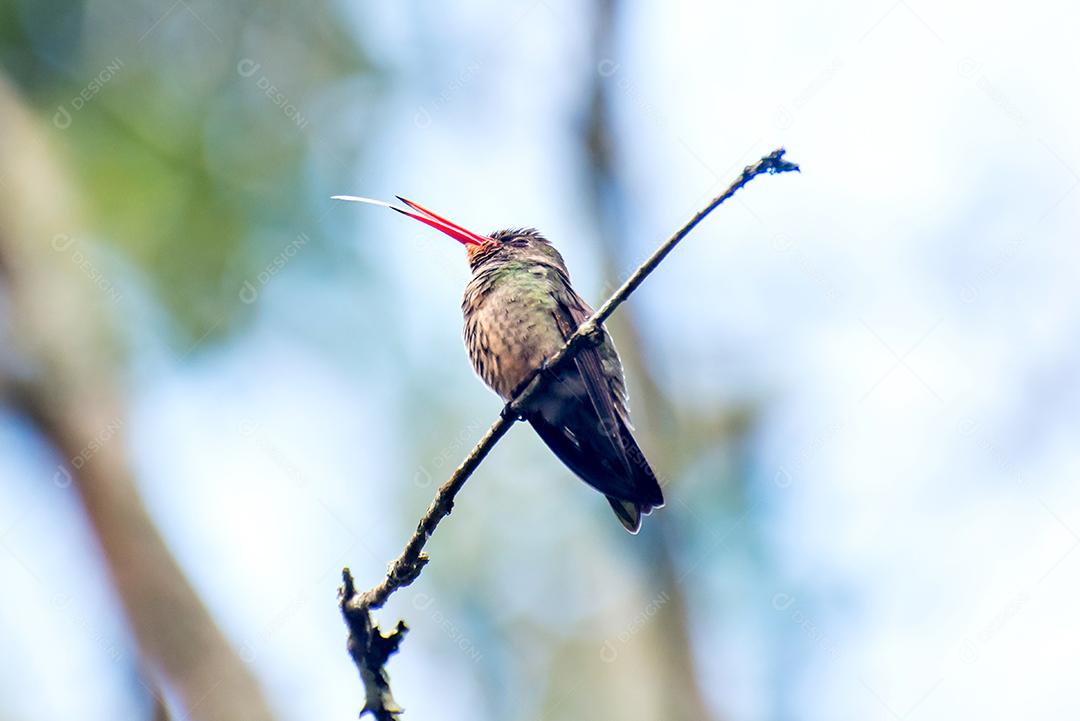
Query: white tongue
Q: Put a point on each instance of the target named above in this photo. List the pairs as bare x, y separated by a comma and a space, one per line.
369, 201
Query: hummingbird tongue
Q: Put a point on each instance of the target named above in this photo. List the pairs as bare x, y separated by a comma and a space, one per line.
455, 231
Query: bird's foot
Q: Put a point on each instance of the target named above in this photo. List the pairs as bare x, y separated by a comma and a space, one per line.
543, 371
592, 334
546, 372
508, 413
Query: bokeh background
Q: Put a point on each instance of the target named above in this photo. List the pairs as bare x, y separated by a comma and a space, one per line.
859, 384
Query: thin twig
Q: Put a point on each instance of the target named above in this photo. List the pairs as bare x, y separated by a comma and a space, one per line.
368, 647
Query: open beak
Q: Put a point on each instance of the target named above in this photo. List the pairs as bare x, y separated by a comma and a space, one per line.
418, 212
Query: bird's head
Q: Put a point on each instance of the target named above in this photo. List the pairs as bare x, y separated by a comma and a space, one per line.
514, 244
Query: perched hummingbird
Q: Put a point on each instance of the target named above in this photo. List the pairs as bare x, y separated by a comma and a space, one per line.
519, 309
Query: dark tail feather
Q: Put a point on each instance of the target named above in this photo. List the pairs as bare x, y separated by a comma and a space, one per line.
645, 484
628, 513
597, 464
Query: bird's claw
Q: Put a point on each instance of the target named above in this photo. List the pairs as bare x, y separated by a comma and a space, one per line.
546, 372
509, 413
543, 371
593, 334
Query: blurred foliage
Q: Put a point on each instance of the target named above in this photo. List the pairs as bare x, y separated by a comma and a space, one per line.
189, 127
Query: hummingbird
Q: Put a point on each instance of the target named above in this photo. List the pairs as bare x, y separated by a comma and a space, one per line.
519, 309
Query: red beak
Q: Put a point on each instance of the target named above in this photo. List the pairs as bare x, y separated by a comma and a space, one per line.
455, 231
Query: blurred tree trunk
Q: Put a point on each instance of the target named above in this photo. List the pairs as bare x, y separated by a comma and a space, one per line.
670, 441
62, 365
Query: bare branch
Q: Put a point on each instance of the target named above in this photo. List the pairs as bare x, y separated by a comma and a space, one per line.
366, 642
370, 650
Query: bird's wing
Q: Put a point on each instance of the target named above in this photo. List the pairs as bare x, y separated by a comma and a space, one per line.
570, 312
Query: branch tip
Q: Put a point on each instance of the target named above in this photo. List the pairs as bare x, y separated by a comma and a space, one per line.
774, 163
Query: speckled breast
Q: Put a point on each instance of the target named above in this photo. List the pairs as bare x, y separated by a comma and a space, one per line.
510, 326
